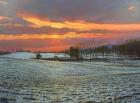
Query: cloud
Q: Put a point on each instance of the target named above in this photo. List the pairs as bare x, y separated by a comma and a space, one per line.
71, 35
53, 43
104, 11
44, 22
131, 7
3, 2
18, 29
5, 18
79, 25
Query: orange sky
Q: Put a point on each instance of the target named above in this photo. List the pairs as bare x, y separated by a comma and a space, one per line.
79, 30
51, 25
78, 25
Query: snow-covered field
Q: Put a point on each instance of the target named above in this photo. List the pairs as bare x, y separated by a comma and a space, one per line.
28, 55
23, 80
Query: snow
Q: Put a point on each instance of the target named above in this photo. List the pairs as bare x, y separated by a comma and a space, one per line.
20, 55
51, 55
43, 81
28, 55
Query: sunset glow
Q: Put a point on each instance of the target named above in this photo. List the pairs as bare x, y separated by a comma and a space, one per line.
81, 25
50, 36
47, 20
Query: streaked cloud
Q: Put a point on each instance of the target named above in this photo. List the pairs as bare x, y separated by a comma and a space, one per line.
50, 36
79, 25
5, 18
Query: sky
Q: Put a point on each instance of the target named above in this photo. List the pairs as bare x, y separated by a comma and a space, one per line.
55, 25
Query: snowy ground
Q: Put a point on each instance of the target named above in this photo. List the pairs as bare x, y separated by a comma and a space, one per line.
27, 55
37, 81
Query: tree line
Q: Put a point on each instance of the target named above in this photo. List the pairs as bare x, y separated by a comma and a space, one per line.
128, 48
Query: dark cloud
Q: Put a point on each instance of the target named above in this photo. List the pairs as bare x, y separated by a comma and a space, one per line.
89, 10
17, 30
103, 11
